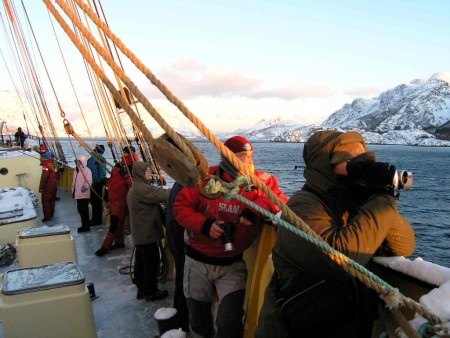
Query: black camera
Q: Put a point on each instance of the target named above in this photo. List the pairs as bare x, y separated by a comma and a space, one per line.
380, 177
227, 236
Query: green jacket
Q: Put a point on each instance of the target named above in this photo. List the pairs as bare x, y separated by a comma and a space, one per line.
358, 229
143, 204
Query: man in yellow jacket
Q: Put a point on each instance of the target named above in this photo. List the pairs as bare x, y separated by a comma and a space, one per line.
348, 199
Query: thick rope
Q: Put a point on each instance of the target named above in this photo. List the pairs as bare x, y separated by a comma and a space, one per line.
404, 324
389, 323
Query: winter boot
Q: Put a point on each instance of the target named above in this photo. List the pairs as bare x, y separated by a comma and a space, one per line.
107, 243
117, 246
159, 294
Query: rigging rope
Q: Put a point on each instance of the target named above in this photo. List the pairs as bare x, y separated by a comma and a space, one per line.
125, 79
146, 153
31, 83
99, 72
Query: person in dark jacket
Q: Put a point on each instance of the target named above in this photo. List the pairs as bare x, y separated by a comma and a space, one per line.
212, 264
349, 201
175, 241
48, 186
143, 201
96, 163
20, 137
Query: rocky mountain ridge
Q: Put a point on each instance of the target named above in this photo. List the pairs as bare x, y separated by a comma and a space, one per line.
415, 113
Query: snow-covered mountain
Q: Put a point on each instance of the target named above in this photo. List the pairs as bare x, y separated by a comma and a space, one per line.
415, 113
265, 129
415, 105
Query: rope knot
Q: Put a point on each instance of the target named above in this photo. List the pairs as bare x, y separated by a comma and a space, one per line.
391, 298
215, 187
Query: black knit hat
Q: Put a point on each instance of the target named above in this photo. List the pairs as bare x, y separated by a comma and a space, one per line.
100, 148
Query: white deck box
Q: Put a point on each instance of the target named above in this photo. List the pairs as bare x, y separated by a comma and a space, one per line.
46, 301
45, 245
17, 211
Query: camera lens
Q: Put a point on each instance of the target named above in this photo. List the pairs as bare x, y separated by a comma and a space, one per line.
402, 180
228, 247
227, 236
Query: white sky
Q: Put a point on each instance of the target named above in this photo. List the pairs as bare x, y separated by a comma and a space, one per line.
235, 62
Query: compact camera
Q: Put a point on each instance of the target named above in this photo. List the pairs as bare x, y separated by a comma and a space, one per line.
227, 236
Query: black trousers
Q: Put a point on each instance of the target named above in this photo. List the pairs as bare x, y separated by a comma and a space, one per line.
146, 266
228, 320
179, 300
83, 210
175, 241
97, 203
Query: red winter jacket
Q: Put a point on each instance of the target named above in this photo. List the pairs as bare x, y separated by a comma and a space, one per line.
272, 183
118, 186
191, 210
49, 181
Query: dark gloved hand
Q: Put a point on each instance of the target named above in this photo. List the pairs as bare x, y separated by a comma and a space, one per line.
250, 215
123, 170
365, 174
207, 224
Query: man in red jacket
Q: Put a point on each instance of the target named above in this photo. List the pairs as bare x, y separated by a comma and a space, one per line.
48, 186
219, 231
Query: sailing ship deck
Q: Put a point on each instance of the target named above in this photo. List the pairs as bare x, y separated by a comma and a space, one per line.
117, 312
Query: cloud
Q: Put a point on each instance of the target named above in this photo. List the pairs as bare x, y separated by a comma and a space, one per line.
189, 79
291, 93
362, 91
188, 65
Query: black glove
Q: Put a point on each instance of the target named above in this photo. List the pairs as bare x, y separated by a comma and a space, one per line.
123, 170
207, 224
365, 174
250, 215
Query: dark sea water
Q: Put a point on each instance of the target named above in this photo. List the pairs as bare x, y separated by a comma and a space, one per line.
425, 206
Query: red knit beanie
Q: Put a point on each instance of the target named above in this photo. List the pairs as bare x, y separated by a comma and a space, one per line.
238, 143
